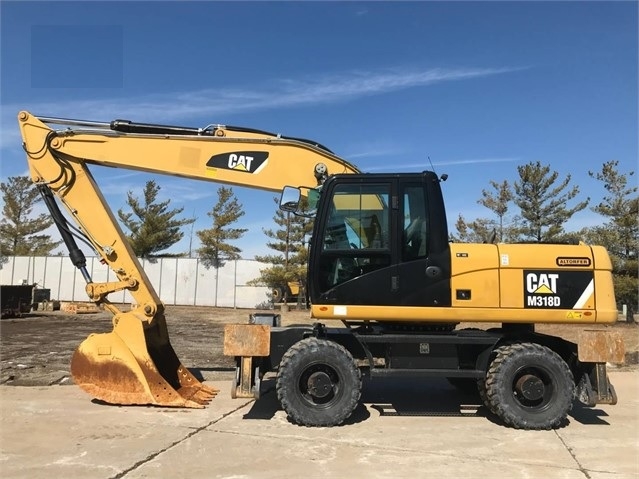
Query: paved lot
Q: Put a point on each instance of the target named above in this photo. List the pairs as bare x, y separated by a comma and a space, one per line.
401, 430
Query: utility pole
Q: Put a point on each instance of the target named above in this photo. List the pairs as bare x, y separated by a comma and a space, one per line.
191, 235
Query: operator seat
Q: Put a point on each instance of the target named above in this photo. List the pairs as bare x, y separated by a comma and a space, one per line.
415, 239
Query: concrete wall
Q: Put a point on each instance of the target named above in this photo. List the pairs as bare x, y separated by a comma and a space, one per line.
178, 281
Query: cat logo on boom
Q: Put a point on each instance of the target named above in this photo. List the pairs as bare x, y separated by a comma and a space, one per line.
244, 161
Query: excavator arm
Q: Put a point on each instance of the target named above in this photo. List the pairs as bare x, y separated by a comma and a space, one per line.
135, 363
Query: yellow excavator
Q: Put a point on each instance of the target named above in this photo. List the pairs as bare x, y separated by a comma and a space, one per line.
380, 263
290, 291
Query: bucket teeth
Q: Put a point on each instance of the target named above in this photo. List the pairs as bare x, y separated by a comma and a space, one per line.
191, 388
194, 405
210, 390
205, 394
196, 394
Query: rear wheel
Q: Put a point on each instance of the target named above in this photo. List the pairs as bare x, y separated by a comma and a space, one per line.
529, 386
278, 295
318, 383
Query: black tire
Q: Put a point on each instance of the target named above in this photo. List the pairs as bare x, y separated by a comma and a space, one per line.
278, 295
481, 383
529, 386
318, 383
481, 389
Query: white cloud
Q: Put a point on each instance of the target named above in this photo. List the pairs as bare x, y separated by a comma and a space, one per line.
284, 93
374, 152
475, 160
426, 164
121, 176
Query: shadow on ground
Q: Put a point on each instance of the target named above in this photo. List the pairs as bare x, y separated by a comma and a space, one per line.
389, 397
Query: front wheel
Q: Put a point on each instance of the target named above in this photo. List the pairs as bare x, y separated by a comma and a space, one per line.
529, 386
318, 383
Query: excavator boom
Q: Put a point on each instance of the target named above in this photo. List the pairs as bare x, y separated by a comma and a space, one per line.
135, 363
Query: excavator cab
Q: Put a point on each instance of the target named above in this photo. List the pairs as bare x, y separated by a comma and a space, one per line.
376, 236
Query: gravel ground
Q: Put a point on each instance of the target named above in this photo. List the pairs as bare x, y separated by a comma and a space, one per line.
36, 349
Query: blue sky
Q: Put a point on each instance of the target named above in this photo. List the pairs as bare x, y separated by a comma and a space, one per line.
479, 87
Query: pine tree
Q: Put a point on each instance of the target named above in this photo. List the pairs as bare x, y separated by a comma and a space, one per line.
476, 231
291, 258
543, 203
620, 234
497, 202
152, 225
488, 230
215, 249
21, 233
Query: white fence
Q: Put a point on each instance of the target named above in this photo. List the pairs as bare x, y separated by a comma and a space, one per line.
178, 281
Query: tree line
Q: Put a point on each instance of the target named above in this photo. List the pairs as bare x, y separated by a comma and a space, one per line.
534, 208
152, 227
538, 204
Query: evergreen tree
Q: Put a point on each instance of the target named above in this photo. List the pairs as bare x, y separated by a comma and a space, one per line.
291, 258
476, 231
497, 202
620, 234
152, 225
20, 232
543, 202
215, 249
487, 230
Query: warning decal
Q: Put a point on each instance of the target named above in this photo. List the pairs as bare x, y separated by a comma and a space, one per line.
558, 289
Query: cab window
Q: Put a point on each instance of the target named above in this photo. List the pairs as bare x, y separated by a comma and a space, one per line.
356, 236
414, 237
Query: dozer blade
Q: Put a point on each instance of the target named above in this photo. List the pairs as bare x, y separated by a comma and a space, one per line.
136, 364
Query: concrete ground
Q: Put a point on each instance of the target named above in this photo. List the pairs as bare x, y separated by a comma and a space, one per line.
401, 430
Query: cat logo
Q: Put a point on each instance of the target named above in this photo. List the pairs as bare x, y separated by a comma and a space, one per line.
541, 283
541, 290
244, 161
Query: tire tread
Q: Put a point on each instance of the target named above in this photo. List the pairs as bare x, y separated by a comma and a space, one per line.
286, 384
497, 383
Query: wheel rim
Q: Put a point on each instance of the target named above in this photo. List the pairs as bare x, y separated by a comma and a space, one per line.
533, 388
319, 385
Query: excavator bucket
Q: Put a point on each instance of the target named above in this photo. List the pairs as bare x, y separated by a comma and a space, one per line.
136, 364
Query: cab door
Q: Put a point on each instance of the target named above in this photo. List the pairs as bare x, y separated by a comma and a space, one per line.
423, 254
352, 251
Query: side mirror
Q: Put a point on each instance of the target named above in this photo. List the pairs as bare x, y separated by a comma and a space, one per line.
290, 199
